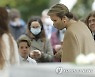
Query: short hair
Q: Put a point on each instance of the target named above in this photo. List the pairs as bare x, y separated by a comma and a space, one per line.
24, 39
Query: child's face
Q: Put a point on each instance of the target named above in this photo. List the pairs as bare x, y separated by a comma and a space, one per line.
23, 49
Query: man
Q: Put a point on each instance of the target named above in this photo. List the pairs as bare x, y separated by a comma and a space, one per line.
77, 39
90, 21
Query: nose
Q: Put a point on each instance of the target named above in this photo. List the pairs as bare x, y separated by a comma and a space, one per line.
24, 49
91, 22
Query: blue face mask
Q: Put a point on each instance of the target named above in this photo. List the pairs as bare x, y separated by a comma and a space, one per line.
36, 31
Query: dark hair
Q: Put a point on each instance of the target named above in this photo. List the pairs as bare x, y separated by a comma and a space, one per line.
28, 43
37, 18
3, 21
92, 14
4, 18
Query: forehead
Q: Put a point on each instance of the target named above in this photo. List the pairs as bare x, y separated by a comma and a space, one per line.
35, 23
92, 17
53, 16
23, 43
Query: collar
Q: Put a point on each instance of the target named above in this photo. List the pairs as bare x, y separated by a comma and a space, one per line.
23, 59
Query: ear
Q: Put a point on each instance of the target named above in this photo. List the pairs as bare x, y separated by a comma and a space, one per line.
64, 19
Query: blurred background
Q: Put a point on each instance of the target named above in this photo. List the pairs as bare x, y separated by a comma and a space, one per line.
80, 8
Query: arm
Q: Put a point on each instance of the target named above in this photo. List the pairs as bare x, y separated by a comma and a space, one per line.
48, 53
70, 48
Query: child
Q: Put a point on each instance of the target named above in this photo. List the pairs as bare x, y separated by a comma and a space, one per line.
24, 50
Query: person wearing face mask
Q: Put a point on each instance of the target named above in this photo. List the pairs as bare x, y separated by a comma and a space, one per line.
36, 31
17, 25
41, 49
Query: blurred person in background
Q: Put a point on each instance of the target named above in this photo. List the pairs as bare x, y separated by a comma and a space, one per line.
8, 47
41, 49
17, 25
48, 24
77, 39
90, 21
56, 41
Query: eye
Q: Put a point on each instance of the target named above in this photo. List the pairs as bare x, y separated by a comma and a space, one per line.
26, 47
21, 47
54, 20
35, 26
93, 20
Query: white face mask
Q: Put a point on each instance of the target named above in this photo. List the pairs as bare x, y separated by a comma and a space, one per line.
36, 31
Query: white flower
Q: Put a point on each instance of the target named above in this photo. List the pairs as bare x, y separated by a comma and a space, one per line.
81, 59
88, 59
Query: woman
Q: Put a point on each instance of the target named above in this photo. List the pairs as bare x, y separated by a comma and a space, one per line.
8, 47
90, 21
41, 49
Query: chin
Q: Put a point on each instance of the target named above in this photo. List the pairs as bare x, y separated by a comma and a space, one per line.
61, 29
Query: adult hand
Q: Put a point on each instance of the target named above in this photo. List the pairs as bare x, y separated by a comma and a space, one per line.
57, 48
35, 54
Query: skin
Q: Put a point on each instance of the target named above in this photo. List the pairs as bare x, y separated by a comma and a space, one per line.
24, 49
92, 23
58, 22
61, 23
35, 24
35, 54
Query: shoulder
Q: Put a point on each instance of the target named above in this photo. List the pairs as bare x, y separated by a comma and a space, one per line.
5, 36
31, 60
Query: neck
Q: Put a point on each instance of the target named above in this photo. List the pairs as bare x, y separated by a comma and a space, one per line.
70, 22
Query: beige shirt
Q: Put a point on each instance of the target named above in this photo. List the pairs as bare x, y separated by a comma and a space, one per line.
78, 39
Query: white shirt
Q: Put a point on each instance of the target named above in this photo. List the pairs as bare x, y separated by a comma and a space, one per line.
28, 60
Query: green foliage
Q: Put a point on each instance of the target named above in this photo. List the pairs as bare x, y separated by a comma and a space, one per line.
5, 2
82, 8
27, 8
